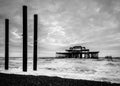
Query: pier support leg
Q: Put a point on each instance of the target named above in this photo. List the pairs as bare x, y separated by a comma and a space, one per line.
6, 44
35, 42
24, 38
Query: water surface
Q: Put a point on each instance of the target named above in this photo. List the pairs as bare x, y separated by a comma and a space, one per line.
89, 69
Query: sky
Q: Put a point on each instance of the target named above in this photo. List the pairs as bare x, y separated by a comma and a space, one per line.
94, 24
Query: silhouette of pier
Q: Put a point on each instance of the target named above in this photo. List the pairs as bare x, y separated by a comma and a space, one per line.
78, 52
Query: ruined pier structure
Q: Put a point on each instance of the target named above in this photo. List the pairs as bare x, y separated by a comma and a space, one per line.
78, 52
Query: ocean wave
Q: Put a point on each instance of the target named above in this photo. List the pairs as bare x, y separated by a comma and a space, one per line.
79, 67
113, 64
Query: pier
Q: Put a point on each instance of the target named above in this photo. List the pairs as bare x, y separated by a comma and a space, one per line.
78, 52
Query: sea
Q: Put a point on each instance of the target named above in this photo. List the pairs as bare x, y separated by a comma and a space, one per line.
73, 68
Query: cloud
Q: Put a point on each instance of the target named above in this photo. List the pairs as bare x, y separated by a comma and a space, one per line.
15, 36
63, 23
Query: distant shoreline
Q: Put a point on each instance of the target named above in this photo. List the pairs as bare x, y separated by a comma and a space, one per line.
30, 80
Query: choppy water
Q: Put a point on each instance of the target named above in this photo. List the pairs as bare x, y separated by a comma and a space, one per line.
99, 70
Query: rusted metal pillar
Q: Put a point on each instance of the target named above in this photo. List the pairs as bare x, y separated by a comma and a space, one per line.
35, 42
6, 44
24, 38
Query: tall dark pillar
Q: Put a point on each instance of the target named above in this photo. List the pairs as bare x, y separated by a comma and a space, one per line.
6, 44
25, 38
35, 42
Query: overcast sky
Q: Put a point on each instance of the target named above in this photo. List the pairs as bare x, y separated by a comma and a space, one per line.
94, 24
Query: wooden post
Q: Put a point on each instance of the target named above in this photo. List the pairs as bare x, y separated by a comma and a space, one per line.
35, 42
6, 44
25, 38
